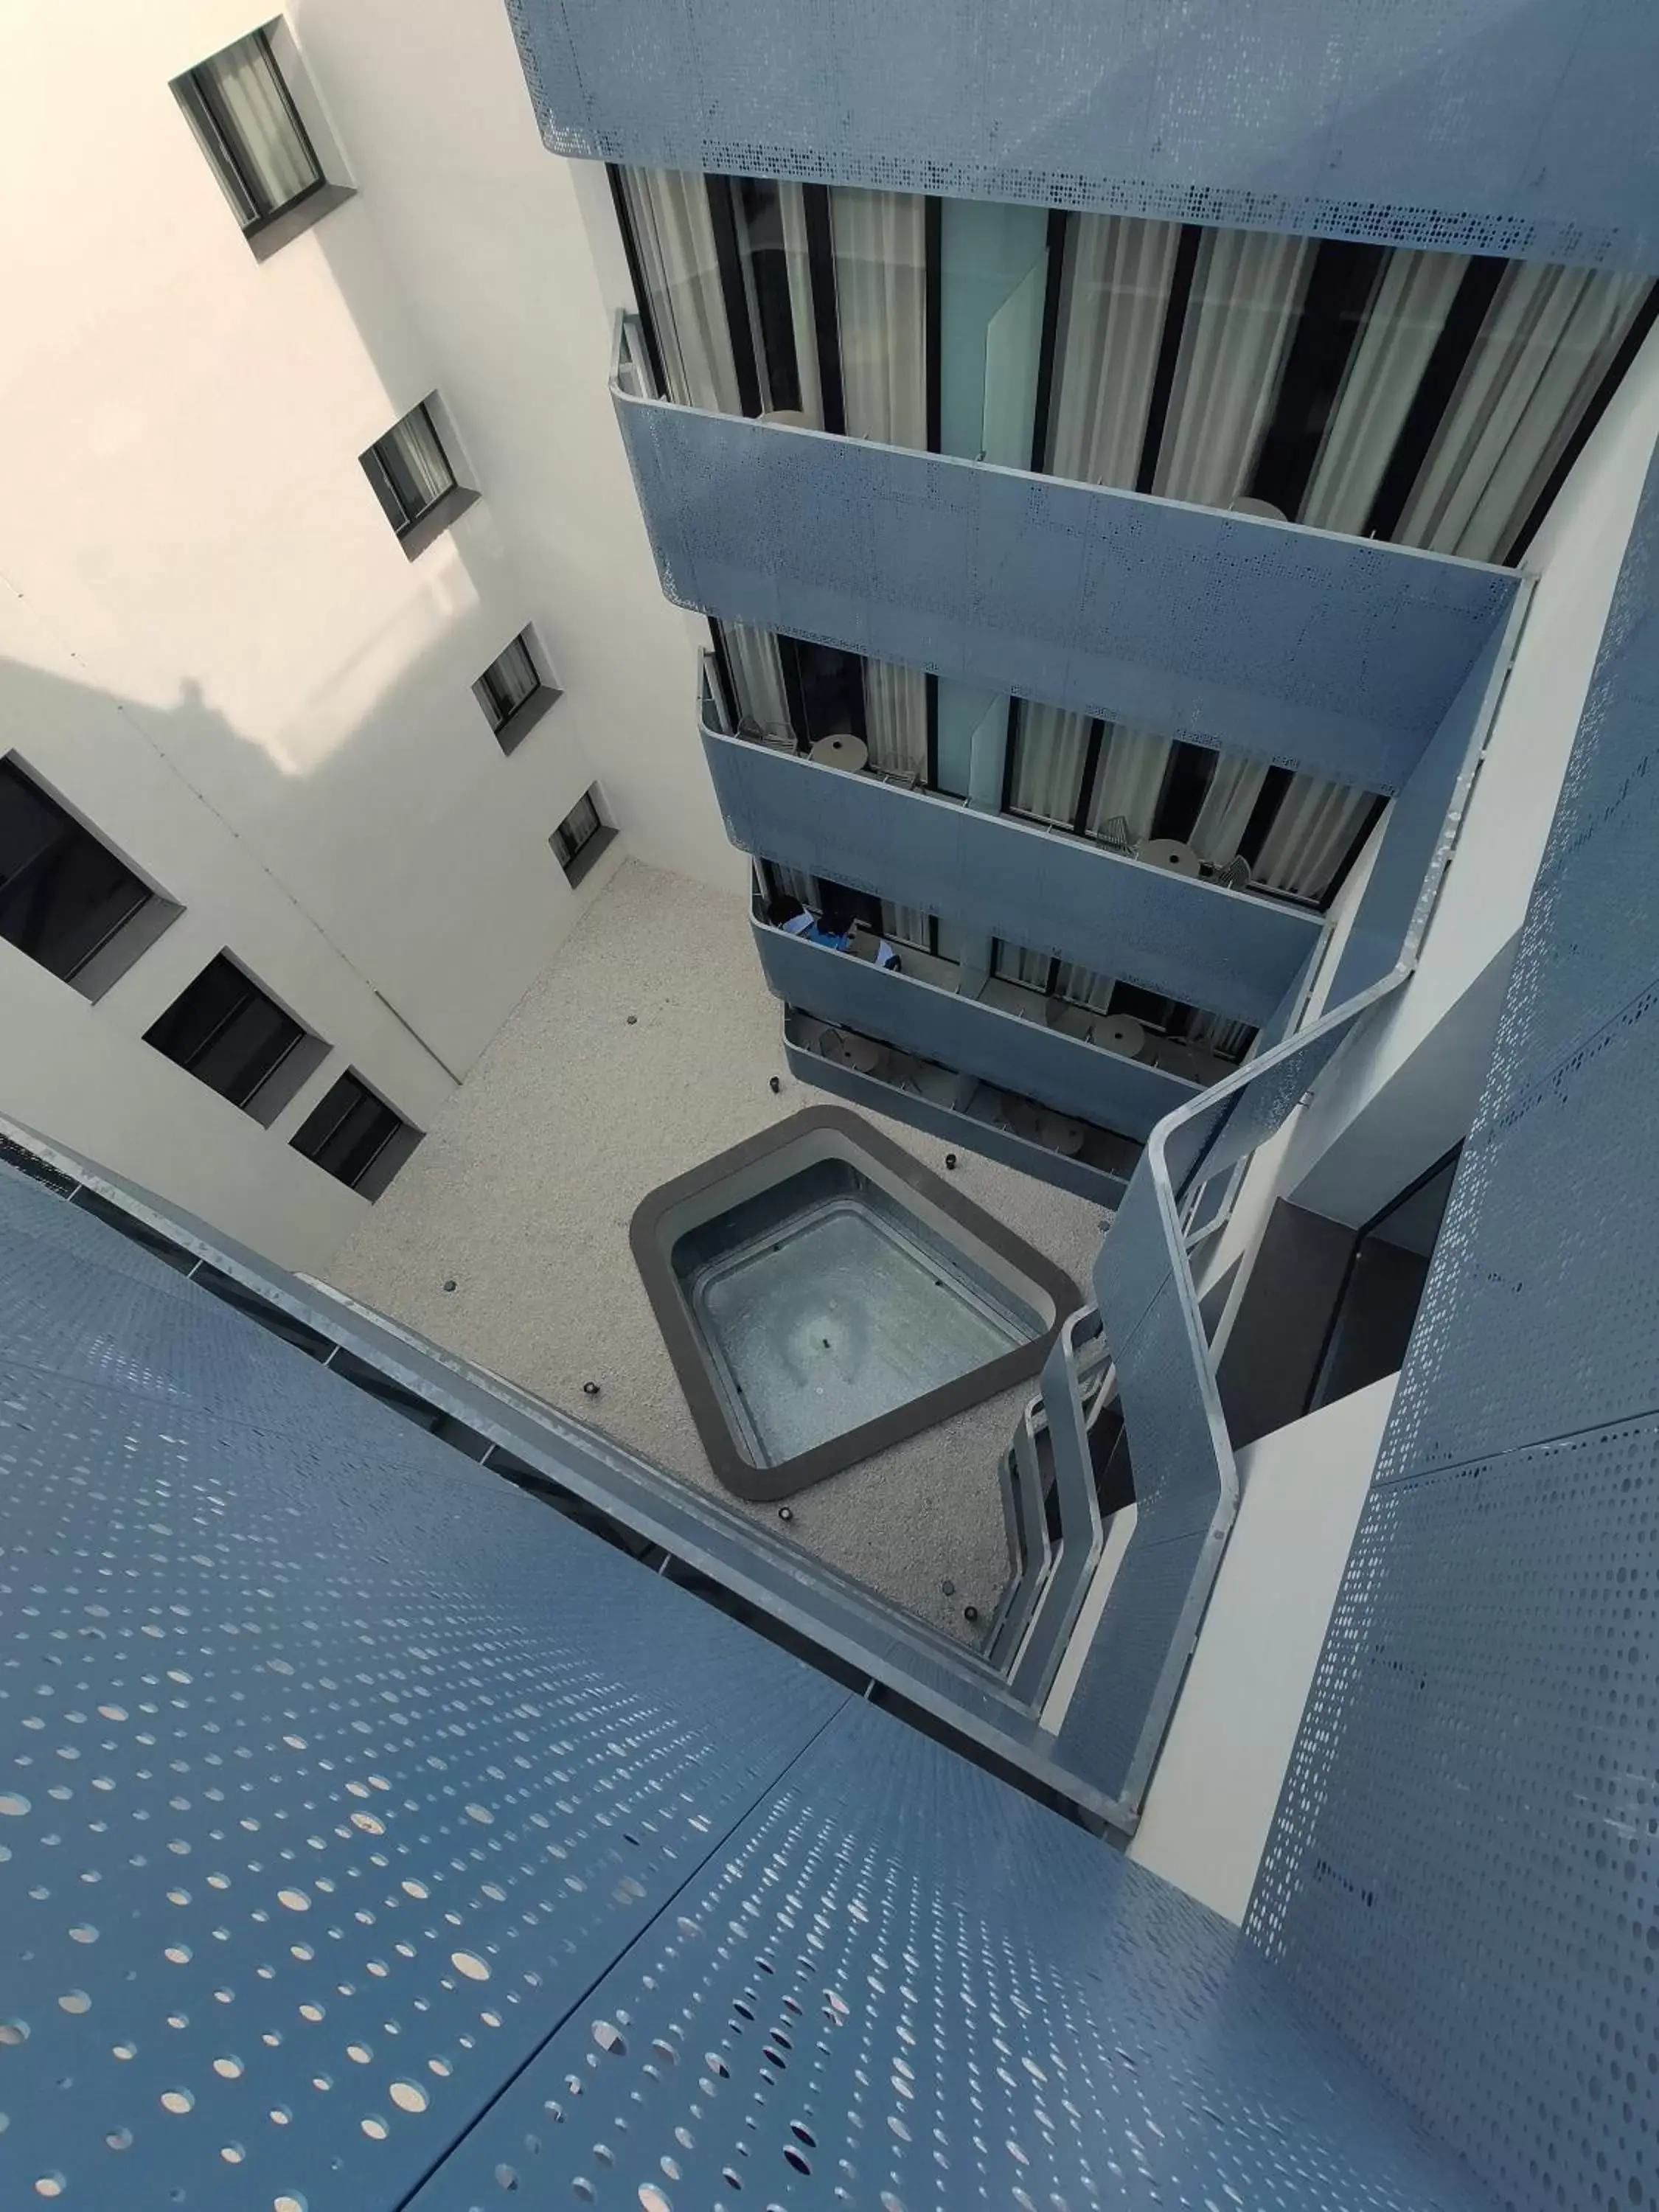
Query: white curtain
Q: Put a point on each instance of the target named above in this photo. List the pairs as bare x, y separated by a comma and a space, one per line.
243, 92
1245, 289
793, 210
1549, 338
1050, 748
1307, 838
1127, 781
895, 718
1219, 1035
1118, 270
758, 673
794, 883
1018, 964
1084, 987
674, 233
1228, 805
879, 241
905, 925
1406, 319
413, 459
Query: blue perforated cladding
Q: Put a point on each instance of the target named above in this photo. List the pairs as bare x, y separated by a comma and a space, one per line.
332, 1769
1211, 948
370, 1835
1464, 1868
1336, 655
970, 1036
1325, 117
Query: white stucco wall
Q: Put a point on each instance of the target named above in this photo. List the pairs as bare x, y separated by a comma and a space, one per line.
1217, 1783
211, 645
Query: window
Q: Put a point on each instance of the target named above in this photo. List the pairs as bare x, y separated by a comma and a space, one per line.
512, 693
1351, 387
357, 1137
65, 898
580, 838
223, 1030
413, 480
245, 121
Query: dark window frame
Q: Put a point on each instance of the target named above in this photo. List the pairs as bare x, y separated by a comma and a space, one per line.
221, 140
386, 1142
415, 528
577, 858
259, 1086
139, 913
511, 723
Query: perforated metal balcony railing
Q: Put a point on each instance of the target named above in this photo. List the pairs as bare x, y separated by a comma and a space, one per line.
1335, 656
1318, 120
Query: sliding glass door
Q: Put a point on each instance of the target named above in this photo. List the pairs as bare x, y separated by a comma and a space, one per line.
1435, 399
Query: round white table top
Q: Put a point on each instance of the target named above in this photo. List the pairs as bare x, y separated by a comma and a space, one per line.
1119, 1033
843, 752
1170, 853
1060, 1133
858, 1052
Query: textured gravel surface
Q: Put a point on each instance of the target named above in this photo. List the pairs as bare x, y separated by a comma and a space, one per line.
522, 1193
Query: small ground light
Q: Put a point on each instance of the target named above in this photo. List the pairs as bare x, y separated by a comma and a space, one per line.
785, 1513
950, 1160
449, 1282
590, 1389
970, 1613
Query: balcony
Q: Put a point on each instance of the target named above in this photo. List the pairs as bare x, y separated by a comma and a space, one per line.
1337, 656
1094, 1164
1150, 112
1036, 1048
1230, 953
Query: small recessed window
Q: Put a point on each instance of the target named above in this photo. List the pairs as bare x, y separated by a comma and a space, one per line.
581, 837
413, 479
65, 899
356, 1137
513, 693
245, 118
223, 1030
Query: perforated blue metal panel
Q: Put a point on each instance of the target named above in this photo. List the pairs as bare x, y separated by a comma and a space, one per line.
370, 1835
332, 1770
1465, 1866
1424, 814
1333, 118
974, 1134
901, 1988
1216, 949
1333, 654
971, 1036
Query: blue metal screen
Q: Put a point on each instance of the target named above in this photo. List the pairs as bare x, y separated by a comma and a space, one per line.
371, 1837
1464, 1868
1227, 952
1331, 118
1332, 654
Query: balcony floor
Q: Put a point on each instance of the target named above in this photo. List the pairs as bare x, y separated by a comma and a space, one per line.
523, 1190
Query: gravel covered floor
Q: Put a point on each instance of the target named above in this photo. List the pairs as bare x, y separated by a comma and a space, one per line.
522, 1193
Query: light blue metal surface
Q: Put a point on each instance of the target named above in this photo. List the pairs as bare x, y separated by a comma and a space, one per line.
372, 1836
1073, 1559
1417, 822
1327, 118
969, 1035
645, 1502
1227, 951
1337, 655
901, 1988
975, 1131
1186, 1481
332, 1771
1464, 1867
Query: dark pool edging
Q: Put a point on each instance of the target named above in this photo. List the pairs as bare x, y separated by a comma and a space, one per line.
768, 1485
